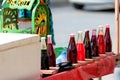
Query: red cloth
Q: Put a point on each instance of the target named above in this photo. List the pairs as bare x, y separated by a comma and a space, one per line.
97, 68
67, 75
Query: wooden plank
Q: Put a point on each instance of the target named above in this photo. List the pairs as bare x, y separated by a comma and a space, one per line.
117, 25
48, 72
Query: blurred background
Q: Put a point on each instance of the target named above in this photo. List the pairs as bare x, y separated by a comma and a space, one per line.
71, 16
86, 4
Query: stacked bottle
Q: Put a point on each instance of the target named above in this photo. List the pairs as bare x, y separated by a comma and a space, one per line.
51, 52
72, 50
80, 47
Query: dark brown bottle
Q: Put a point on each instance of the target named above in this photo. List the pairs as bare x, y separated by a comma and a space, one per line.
72, 50
44, 55
108, 40
87, 45
51, 52
94, 44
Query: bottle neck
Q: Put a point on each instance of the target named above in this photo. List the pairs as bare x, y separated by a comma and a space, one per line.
49, 39
87, 36
43, 43
107, 32
80, 37
93, 32
101, 32
72, 38
93, 38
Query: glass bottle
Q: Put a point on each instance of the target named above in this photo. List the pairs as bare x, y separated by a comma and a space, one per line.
80, 47
72, 50
94, 44
44, 55
51, 52
101, 42
107, 38
87, 45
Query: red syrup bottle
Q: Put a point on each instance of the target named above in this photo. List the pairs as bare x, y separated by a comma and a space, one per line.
101, 42
94, 44
108, 40
51, 52
72, 50
80, 47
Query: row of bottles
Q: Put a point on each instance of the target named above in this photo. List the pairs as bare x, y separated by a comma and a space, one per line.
78, 51
99, 44
48, 58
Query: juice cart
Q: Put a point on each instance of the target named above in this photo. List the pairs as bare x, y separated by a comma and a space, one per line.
77, 74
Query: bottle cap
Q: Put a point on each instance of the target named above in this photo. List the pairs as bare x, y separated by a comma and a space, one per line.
49, 35
101, 27
43, 38
80, 37
86, 30
72, 34
107, 26
49, 40
43, 43
80, 31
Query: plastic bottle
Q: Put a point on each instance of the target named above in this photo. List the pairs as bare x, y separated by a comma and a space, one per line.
51, 52
101, 42
94, 44
87, 45
107, 38
80, 47
72, 50
44, 55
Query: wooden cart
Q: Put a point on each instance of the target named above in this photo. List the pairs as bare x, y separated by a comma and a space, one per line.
117, 50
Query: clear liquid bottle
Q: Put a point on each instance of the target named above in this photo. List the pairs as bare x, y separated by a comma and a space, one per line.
107, 38
87, 45
80, 47
51, 52
101, 42
72, 50
44, 55
94, 44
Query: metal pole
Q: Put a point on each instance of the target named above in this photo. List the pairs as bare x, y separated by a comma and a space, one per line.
117, 25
